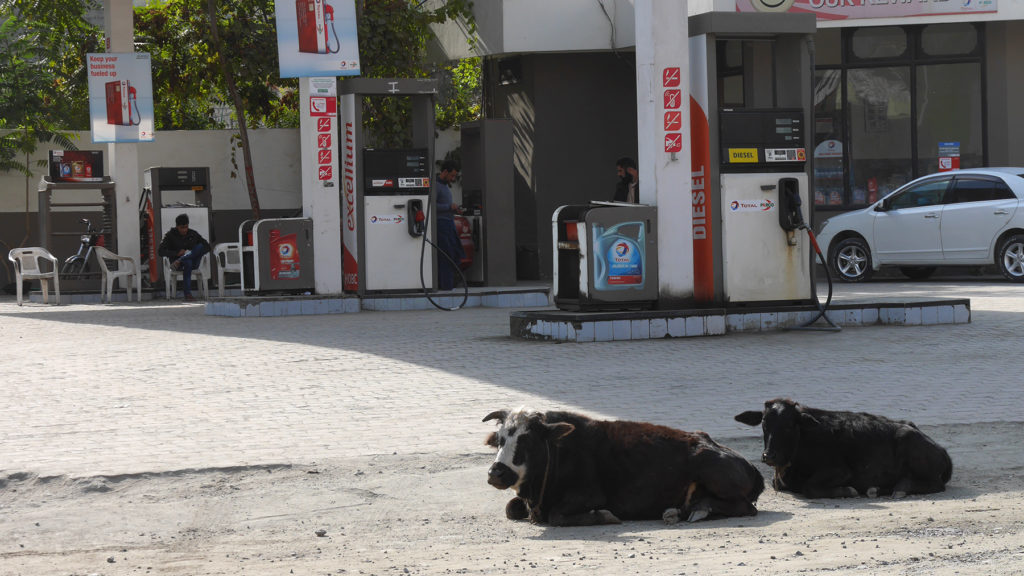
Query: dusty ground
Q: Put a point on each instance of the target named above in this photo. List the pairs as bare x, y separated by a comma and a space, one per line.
435, 514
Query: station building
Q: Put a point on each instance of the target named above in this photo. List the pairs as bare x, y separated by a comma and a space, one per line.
903, 88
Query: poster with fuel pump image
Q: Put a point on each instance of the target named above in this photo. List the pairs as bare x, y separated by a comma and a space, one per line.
121, 97
317, 38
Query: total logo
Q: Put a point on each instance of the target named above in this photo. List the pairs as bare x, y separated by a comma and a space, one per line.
285, 250
621, 250
396, 219
751, 205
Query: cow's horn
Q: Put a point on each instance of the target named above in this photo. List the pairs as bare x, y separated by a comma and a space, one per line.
496, 415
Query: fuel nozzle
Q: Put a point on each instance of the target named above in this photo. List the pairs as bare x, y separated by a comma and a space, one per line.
416, 218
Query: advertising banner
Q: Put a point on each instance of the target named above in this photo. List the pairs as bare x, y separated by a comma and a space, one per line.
121, 97
317, 38
854, 9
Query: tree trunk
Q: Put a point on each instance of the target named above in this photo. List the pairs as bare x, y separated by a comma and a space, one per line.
243, 132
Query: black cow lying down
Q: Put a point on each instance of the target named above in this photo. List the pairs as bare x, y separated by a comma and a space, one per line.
826, 454
570, 470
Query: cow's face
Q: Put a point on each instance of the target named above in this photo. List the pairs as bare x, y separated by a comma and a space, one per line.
780, 424
521, 440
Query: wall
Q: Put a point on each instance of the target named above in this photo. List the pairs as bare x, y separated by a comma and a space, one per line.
573, 115
276, 166
1005, 84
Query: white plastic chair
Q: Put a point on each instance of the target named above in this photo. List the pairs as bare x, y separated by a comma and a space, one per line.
229, 261
26, 267
171, 277
124, 268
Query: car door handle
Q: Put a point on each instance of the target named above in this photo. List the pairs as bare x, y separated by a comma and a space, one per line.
931, 215
1001, 211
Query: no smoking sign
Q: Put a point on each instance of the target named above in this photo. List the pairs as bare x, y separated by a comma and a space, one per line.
670, 77
673, 121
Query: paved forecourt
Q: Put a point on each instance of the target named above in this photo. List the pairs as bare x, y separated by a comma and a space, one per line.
127, 388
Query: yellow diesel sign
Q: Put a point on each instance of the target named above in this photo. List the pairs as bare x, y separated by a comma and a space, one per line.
742, 155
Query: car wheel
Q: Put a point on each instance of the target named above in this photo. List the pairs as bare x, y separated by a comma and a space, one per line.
1011, 258
917, 272
851, 260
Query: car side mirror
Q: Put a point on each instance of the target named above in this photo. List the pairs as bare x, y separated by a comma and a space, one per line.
882, 206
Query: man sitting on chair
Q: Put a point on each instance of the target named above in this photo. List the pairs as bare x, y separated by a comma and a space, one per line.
185, 248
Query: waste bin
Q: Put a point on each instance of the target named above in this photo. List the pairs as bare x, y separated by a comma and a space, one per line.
606, 257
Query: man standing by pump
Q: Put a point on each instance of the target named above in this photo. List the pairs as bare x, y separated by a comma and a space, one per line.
447, 237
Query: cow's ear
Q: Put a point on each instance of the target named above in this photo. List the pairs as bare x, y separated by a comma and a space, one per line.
559, 430
496, 415
492, 440
750, 417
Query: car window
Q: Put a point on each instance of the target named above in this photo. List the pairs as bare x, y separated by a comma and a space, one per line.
927, 193
978, 190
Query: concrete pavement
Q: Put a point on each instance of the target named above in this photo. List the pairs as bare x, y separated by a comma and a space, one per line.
126, 388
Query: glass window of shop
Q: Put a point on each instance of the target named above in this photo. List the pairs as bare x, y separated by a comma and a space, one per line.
894, 103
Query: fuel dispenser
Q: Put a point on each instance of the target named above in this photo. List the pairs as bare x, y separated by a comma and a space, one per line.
605, 257
751, 111
167, 192
396, 193
387, 207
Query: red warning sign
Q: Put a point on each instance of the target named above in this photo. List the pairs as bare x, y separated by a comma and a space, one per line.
323, 124
323, 156
325, 172
673, 142
673, 99
323, 140
673, 121
670, 77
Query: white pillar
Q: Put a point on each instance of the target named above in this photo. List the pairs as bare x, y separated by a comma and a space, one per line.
321, 193
663, 130
124, 157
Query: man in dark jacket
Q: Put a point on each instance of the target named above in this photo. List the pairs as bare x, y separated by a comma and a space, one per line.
185, 248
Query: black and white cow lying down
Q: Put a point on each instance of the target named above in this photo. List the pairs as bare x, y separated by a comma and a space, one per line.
570, 470
827, 454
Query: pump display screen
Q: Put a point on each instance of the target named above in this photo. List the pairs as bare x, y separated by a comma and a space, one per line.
396, 171
762, 138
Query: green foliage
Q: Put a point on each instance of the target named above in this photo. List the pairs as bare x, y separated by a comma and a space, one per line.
43, 88
393, 37
460, 96
43, 68
189, 87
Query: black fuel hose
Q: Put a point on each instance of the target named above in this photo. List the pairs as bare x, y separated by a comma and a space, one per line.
437, 249
822, 308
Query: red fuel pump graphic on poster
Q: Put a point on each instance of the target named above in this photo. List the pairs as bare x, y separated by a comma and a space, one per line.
284, 256
120, 97
315, 19
122, 103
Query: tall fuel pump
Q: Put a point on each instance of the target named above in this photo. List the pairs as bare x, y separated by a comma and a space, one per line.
386, 203
751, 114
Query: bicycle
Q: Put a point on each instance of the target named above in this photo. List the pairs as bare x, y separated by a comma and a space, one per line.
78, 264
